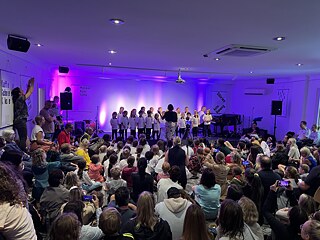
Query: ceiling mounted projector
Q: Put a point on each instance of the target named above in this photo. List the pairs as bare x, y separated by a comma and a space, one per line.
180, 80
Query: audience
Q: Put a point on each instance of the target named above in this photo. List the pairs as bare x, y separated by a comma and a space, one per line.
65, 227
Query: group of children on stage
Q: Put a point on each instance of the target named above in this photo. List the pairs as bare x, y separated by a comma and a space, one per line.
151, 123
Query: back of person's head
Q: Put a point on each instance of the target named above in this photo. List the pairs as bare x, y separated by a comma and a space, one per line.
110, 221
194, 226
149, 155
75, 207
305, 152
297, 217
38, 119
139, 149
241, 145
305, 168
265, 162
135, 143
115, 173
65, 148
307, 203
142, 165
130, 139
15, 93
250, 211
95, 158
122, 196
71, 180
155, 149
200, 151
130, 161
65, 227
145, 210
231, 219
311, 230
169, 143
12, 157
75, 194
177, 141
175, 173
8, 135
173, 192
316, 215
103, 149
113, 159
143, 141
256, 186
236, 158
82, 164
161, 145
120, 145
165, 167
220, 158
234, 192
55, 178
208, 178
221, 142
126, 152
170, 107
236, 171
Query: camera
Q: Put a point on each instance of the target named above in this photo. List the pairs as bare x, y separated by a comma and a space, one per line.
283, 183
87, 198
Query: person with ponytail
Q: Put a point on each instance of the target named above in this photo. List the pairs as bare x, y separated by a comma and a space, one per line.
141, 181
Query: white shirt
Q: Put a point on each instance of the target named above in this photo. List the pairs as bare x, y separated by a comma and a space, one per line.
114, 123
133, 123
195, 121
182, 123
207, 119
148, 122
119, 117
152, 164
156, 125
125, 122
140, 122
201, 113
189, 151
303, 133
34, 132
163, 185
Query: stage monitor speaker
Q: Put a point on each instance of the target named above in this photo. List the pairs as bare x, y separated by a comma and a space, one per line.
270, 80
276, 108
63, 69
66, 101
17, 43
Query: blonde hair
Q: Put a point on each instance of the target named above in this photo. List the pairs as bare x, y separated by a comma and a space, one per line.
293, 142
39, 157
220, 157
145, 211
165, 167
312, 229
306, 151
249, 209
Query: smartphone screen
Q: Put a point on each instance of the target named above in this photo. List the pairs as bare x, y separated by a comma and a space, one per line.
284, 183
87, 198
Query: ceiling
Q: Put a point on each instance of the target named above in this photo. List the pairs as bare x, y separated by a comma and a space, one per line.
167, 35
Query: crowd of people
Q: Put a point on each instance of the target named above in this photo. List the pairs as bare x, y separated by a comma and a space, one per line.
102, 188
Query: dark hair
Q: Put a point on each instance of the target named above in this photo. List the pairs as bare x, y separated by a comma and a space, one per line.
110, 221
297, 217
112, 161
242, 145
170, 107
231, 219
15, 93
143, 141
234, 192
68, 125
82, 165
149, 155
304, 122
55, 178
12, 157
208, 179
169, 143
38, 119
122, 196
95, 158
142, 165
175, 173
254, 151
135, 143
75, 207
257, 189
65, 227
194, 226
265, 162
130, 139
236, 171
130, 161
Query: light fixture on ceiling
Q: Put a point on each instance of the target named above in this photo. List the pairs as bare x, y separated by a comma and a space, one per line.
251, 72
116, 21
112, 51
110, 63
279, 38
299, 64
179, 79
38, 44
217, 59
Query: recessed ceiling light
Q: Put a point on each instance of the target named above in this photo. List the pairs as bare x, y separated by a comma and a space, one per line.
116, 21
110, 64
217, 59
112, 51
279, 38
299, 64
251, 72
38, 45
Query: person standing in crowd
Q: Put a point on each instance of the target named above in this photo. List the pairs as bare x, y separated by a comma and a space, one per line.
20, 112
48, 126
207, 118
171, 118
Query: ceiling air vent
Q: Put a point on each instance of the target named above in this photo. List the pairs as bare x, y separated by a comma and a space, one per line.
238, 50
254, 91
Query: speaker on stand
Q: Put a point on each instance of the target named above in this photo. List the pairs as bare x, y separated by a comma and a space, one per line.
276, 110
66, 102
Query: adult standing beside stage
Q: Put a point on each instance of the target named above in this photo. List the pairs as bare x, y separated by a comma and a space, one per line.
176, 156
20, 112
171, 118
48, 126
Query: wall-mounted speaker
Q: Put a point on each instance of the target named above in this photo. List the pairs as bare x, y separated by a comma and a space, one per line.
66, 101
270, 80
17, 43
276, 108
63, 69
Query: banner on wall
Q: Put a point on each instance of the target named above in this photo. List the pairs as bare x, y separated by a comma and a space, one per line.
283, 95
218, 102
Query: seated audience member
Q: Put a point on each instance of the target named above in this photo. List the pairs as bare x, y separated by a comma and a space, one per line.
124, 157
102, 152
146, 225
220, 171
251, 216
194, 226
254, 151
304, 170
16, 221
83, 151
293, 154
237, 177
195, 162
173, 210
152, 163
141, 181
41, 169
234, 192
222, 147
231, 223
165, 171
96, 169
71, 180
310, 230
65, 227
280, 156
121, 203
128, 170
53, 196
86, 182
304, 131
87, 231
110, 224
208, 193
109, 164
67, 156
307, 158
37, 136
64, 135
297, 216
312, 182
315, 135
115, 182
166, 183
187, 147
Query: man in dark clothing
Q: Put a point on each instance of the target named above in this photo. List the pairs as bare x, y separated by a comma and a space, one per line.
176, 156
312, 182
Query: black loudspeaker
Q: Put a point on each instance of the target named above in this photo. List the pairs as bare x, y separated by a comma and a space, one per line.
270, 80
63, 69
17, 43
66, 101
276, 108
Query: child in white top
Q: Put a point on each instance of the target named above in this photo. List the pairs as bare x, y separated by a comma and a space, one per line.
114, 125
156, 127
207, 118
140, 123
178, 117
148, 123
124, 125
195, 123
133, 123
182, 125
